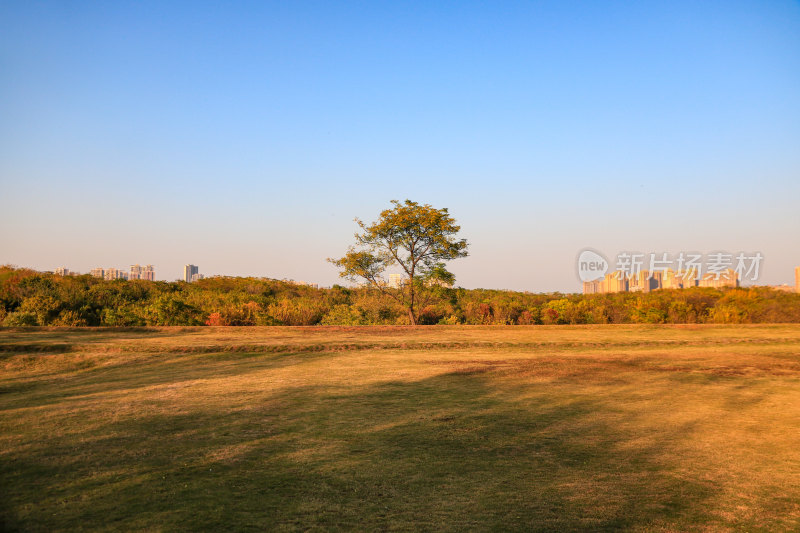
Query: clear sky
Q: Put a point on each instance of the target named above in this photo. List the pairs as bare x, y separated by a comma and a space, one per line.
244, 137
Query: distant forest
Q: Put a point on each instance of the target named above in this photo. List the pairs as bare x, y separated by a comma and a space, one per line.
30, 298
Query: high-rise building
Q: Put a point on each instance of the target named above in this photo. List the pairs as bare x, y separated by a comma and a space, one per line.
135, 273
142, 272
395, 281
98, 272
62, 271
687, 278
148, 273
592, 287
656, 279
681, 279
668, 280
615, 282
115, 273
642, 281
189, 271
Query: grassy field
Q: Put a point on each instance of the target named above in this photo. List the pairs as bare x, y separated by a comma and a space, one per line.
431, 428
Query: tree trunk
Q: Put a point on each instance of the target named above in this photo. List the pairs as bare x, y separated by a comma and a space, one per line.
412, 293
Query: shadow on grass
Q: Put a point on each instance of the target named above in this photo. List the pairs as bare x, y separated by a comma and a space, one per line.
131, 374
450, 452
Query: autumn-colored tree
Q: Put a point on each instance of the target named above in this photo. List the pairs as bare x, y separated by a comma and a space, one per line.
30, 298
415, 238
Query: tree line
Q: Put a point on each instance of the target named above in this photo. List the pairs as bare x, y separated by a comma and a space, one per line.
30, 298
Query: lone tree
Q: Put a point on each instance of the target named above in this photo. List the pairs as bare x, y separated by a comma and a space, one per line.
418, 239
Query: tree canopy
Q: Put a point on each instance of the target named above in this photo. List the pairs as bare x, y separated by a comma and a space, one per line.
415, 239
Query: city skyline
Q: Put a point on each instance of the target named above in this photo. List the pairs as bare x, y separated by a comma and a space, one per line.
136, 272
615, 281
646, 281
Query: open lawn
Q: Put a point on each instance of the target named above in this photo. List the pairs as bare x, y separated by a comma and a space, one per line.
429, 428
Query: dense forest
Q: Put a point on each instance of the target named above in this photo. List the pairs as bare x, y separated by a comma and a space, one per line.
30, 298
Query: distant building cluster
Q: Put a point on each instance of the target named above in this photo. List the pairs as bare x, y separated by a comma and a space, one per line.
618, 281
191, 273
645, 281
136, 272
114, 273
142, 272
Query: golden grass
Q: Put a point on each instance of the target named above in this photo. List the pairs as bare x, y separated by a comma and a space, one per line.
514, 428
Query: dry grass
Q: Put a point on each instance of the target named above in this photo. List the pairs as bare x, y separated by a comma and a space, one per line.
514, 428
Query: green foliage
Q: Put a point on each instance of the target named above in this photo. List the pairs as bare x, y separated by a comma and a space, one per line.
417, 239
343, 315
171, 310
297, 312
71, 318
44, 307
29, 298
20, 318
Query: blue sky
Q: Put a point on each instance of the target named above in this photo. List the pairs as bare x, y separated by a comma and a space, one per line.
245, 136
